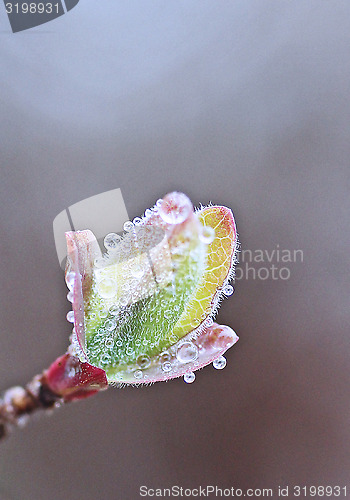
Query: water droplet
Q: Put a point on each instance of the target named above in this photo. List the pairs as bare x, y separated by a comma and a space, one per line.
109, 342
129, 351
70, 296
138, 374
228, 290
207, 235
137, 221
111, 241
143, 361
189, 377
137, 271
187, 352
103, 314
219, 363
114, 310
164, 356
167, 314
166, 367
100, 262
124, 300
110, 324
106, 359
148, 212
70, 316
107, 288
159, 202
128, 226
70, 278
175, 208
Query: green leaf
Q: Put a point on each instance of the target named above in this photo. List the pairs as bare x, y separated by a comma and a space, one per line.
155, 272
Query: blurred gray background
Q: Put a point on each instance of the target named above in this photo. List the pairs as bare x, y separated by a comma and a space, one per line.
240, 103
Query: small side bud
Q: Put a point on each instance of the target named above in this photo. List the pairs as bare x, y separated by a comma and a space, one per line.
71, 379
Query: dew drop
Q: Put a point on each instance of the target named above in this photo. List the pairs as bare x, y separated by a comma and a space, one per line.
111, 241
70, 278
137, 221
207, 235
110, 324
98, 269
124, 300
106, 359
167, 314
228, 290
109, 343
175, 208
219, 363
129, 351
187, 352
138, 374
137, 271
189, 378
143, 361
70, 316
114, 310
165, 356
128, 226
166, 367
107, 288
103, 314
148, 212
70, 296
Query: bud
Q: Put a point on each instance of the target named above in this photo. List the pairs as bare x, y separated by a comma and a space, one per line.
143, 310
72, 380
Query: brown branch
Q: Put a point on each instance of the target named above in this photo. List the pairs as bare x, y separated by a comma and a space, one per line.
18, 403
67, 379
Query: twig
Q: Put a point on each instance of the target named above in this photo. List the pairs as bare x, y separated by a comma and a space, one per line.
67, 379
18, 403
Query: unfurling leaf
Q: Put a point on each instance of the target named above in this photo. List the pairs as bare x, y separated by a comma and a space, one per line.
143, 311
